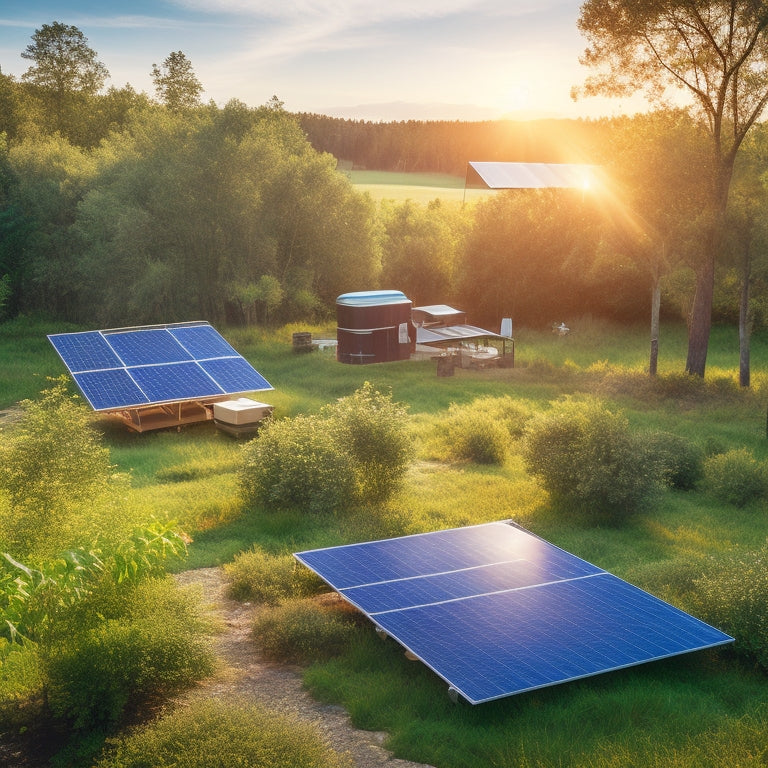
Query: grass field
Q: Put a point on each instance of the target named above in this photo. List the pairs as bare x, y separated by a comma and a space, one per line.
418, 187
688, 711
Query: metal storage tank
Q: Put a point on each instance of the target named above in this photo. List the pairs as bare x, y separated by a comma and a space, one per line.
373, 327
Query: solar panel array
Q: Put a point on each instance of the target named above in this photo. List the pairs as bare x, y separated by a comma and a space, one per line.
496, 611
134, 367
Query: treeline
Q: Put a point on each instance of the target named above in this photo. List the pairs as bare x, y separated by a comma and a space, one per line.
447, 147
116, 208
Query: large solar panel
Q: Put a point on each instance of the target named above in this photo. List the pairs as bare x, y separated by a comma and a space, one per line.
495, 611
150, 365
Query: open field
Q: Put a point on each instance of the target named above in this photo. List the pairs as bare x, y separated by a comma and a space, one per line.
688, 711
418, 187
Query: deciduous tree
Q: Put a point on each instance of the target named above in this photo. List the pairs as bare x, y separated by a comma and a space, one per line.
176, 83
717, 52
65, 72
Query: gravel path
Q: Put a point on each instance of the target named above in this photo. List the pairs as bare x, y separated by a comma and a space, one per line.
245, 674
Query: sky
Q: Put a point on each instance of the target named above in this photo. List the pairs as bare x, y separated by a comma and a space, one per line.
376, 60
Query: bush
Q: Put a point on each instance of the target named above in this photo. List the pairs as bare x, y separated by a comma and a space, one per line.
586, 458
375, 432
297, 463
473, 434
355, 450
301, 631
736, 477
212, 733
678, 462
270, 579
158, 646
732, 595
54, 470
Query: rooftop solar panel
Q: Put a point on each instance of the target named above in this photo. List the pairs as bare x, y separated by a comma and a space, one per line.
134, 367
496, 611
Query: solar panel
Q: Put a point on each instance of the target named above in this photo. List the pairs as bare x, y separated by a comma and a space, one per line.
134, 367
495, 611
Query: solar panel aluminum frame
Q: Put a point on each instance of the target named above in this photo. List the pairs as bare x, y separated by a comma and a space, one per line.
585, 585
127, 371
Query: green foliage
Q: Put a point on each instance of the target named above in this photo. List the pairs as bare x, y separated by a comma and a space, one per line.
53, 468
472, 434
21, 682
678, 461
271, 579
175, 82
421, 247
732, 595
587, 459
155, 647
301, 631
5, 294
355, 450
222, 734
742, 739
483, 430
35, 600
374, 430
736, 477
297, 463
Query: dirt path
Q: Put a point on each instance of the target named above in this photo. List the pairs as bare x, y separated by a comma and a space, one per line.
245, 674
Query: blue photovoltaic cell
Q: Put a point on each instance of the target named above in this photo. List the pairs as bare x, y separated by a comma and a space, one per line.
202, 342
179, 381
133, 367
235, 374
85, 351
531, 616
150, 346
112, 388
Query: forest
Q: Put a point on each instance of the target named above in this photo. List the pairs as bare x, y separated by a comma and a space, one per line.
120, 208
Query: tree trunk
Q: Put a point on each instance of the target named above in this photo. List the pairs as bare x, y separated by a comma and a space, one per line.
655, 309
701, 316
745, 325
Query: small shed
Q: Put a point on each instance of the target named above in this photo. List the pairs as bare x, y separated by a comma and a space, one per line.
373, 327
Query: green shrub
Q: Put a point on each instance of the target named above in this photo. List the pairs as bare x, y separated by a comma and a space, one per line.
732, 595
301, 631
375, 432
587, 459
213, 733
736, 477
54, 470
297, 463
271, 579
473, 434
679, 462
21, 681
159, 645
356, 450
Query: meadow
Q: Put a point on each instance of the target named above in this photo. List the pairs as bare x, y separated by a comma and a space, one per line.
418, 187
686, 711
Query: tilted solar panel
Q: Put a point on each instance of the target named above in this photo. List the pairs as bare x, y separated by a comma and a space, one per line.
202, 342
135, 367
496, 611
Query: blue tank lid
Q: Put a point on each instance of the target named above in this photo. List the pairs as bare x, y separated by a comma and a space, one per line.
372, 298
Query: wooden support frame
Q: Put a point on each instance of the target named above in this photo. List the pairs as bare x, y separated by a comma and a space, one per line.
167, 415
